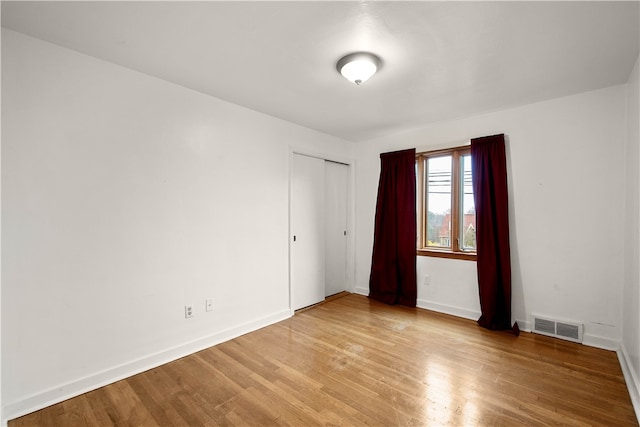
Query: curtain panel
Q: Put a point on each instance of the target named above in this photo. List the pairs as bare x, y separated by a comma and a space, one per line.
393, 263
489, 171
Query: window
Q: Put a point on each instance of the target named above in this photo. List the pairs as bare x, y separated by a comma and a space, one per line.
446, 210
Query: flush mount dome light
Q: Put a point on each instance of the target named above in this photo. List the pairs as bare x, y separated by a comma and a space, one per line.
358, 67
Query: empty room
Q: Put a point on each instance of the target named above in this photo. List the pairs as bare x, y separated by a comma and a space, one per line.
320, 213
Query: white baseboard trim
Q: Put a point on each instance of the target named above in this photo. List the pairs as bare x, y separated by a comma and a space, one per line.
524, 325
361, 291
587, 339
630, 377
91, 382
600, 342
448, 309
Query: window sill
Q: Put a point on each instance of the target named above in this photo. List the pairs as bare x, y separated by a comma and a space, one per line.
444, 254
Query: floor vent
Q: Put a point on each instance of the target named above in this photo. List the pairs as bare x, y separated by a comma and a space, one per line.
554, 328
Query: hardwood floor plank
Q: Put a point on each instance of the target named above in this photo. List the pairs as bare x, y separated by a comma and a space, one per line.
129, 405
157, 399
79, 413
354, 361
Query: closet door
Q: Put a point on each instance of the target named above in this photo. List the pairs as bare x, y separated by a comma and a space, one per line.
307, 231
335, 190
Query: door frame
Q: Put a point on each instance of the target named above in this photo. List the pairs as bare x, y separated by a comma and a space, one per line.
350, 253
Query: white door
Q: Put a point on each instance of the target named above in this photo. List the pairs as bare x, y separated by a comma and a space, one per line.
335, 190
307, 231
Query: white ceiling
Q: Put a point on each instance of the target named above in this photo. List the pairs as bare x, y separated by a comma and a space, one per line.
442, 60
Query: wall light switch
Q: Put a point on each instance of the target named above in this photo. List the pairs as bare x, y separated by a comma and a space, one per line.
209, 304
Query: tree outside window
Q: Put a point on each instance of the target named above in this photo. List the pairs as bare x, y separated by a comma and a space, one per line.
446, 210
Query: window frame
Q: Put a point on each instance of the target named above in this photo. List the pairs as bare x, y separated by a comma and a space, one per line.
455, 251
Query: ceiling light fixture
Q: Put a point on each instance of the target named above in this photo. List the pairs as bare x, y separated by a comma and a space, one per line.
358, 67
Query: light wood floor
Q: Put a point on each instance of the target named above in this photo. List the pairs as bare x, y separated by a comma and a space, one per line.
353, 361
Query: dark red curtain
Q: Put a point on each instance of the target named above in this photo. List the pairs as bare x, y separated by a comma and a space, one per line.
489, 170
393, 264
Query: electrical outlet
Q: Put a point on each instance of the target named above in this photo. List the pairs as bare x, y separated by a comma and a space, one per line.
427, 280
188, 311
208, 303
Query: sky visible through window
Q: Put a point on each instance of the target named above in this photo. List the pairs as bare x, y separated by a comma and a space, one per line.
439, 184
440, 204
439, 181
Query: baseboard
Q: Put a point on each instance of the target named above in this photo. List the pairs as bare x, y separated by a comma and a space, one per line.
600, 342
630, 377
448, 309
524, 325
587, 339
361, 291
590, 340
91, 382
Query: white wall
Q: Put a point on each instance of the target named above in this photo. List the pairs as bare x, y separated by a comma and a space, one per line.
1, 406
566, 180
630, 346
124, 198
